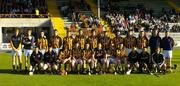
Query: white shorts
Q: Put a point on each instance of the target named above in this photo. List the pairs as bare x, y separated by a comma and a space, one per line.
14, 53
42, 51
128, 50
56, 50
28, 52
167, 53
139, 50
78, 61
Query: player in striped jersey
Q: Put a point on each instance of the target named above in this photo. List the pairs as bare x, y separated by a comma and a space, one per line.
68, 41
56, 42
142, 42
118, 39
129, 41
65, 57
92, 40
77, 61
42, 43
80, 39
88, 59
121, 58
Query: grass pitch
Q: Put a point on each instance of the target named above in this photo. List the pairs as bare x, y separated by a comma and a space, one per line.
9, 79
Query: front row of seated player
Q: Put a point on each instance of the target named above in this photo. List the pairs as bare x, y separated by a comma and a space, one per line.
97, 61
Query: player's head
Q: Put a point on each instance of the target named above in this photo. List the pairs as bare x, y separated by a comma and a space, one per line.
121, 46
133, 49
68, 34
130, 32
144, 49
16, 32
118, 33
42, 34
112, 43
155, 32
55, 32
166, 33
158, 50
87, 46
141, 33
29, 32
80, 32
99, 46
50, 48
105, 33
36, 49
93, 32
77, 45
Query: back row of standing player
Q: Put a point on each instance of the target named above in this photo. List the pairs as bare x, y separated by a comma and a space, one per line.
82, 46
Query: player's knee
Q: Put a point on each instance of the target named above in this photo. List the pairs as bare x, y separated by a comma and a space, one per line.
55, 67
45, 66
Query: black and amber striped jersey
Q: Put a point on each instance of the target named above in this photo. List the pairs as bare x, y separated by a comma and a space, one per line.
81, 40
130, 42
68, 42
87, 53
92, 40
65, 54
56, 42
105, 41
77, 53
121, 53
142, 42
42, 43
117, 40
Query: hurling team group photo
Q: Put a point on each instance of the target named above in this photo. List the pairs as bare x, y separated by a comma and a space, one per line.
89, 42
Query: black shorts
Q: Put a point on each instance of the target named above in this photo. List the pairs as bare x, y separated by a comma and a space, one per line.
34, 63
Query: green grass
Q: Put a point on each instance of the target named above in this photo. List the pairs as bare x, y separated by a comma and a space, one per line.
9, 79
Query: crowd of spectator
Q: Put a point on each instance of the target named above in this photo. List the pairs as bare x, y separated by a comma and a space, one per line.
122, 18
74, 6
23, 8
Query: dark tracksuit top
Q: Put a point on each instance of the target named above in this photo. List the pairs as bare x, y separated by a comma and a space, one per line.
167, 43
133, 57
157, 58
28, 43
50, 57
154, 42
144, 57
35, 58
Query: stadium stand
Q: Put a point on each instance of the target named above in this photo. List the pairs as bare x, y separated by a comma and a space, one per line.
23, 8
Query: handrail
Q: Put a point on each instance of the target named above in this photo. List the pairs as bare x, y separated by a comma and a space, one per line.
24, 16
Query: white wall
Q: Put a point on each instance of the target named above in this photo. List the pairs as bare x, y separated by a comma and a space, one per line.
24, 22
21, 22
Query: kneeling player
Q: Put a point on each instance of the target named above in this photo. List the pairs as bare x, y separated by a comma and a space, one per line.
35, 61
110, 59
76, 61
132, 61
88, 58
144, 60
99, 55
158, 62
121, 58
65, 59
50, 61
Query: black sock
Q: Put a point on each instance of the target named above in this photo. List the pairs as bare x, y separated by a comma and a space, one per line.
20, 66
26, 68
13, 67
17, 67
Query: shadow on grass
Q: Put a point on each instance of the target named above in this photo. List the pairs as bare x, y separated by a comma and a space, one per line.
9, 71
